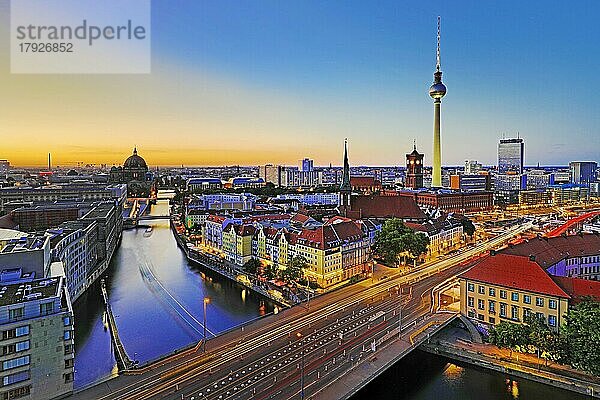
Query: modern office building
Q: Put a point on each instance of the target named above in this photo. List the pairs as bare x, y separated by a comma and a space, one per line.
36, 324
539, 179
292, 177
472, 167
25, 251
583, 172
511, 182
511, 156
480, 182
75, 245
307, 165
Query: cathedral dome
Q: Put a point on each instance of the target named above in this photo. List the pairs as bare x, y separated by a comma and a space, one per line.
135, 161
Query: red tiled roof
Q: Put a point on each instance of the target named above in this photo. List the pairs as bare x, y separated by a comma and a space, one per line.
578, 288
364, 181
270, 217
216, 218
514, 272
549, 251
241, 230
337, 219
329, 236
298, 217
386, 207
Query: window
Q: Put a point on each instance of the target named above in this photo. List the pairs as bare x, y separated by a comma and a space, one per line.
16, 393
15, 378
526, 313
492, 292
47, 308
15, 362
481, 304
67, 321
539, 302
67, 335
540, 316
502, 309
526, 299
514, 296
16, 313
471, 314
552, 304
552, 320
22, 346
471, 287
492, 306
481, 289
471, 301
502, 294
514, 311
492, 320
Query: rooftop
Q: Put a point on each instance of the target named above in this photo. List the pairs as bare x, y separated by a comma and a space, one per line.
21, 292
514, 272
13, 241
549, 251
578, 288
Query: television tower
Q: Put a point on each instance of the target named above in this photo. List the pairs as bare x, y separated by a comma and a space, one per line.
437, 91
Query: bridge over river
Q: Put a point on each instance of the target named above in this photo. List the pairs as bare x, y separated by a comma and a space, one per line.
321, 350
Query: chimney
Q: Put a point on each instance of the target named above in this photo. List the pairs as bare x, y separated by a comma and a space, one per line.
532, 257
493, 252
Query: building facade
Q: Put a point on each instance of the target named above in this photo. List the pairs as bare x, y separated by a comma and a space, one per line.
511, 156
36, 324
511, 288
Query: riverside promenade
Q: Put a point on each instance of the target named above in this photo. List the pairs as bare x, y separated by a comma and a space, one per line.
523, 365
230, 271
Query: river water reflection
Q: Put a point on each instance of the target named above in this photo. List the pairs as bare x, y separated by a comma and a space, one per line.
156, 298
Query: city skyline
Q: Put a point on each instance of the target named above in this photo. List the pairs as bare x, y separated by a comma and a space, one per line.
274, 83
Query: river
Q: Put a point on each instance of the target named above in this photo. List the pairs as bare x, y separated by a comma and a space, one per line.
422, 376
152, 314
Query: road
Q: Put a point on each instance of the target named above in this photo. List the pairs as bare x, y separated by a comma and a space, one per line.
266, 359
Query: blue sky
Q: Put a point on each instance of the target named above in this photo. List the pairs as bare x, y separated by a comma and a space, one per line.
277, 81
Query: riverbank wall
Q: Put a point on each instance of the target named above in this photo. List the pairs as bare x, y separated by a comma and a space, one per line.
225, 270
520, 370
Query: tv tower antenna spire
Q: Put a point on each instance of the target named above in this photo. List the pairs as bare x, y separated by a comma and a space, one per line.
437, 54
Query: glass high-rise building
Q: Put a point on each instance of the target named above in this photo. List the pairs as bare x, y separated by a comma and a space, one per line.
510, 156
583, 171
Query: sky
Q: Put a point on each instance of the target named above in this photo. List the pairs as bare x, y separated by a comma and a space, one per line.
253, 82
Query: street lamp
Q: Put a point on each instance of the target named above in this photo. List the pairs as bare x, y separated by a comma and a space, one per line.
206, 301
299, 336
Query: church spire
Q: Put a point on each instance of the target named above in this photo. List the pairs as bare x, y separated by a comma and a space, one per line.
346, 187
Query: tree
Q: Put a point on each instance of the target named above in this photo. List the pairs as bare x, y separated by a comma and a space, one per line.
468, 226
581, 334
396, 239
270, 271
294, 269
251, 266
547, 341
509, 335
